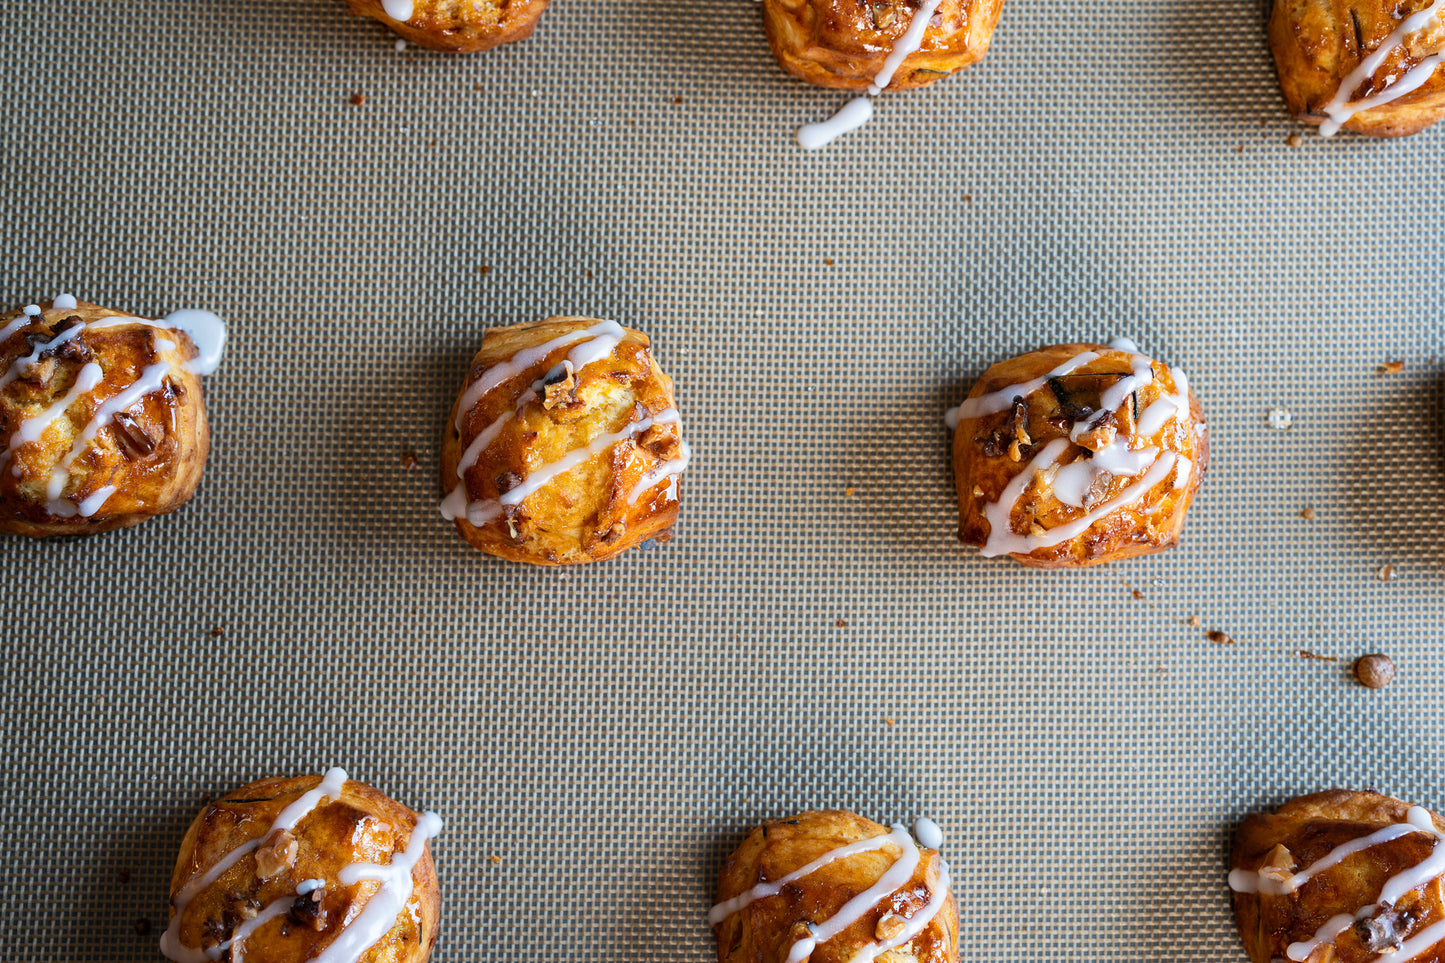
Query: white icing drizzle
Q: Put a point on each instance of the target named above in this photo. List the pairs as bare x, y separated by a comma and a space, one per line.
151, 379
32, 429
237, 943
207, 333
1431, 868
309, 886
893, 879
398, 10
64, 302
1073, 484
24, 365
668, 469
859, 110
95, 501
1340, 109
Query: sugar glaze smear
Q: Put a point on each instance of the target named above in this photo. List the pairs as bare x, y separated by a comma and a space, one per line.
1431, 868
893, 879
359, 934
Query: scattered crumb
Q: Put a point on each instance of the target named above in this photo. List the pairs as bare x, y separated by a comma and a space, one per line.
358, 99
849, 491
1307, 513
124, 876
1239, 149
968, 198
484, 269
828, 261
1136, 593
1280, 419
1374, 671
1160, 669
1294, 140
841, 624
1386, 573
677, 101
1218, 638
1391, 367
142, 927
1307, 654
217, 632
1195, 621
479, 87
408, 460
494, 860
890, 721
589, 275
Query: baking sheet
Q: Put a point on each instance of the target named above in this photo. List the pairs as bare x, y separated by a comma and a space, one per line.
1113, 168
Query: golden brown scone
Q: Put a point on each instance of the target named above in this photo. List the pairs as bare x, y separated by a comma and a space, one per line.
456, 26
1077, 454
763, 915
1298, 897
565, 446
843, 44
1323, 50
296, 870
102, 418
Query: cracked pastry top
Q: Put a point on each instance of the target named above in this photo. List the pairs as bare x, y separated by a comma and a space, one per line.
832, 887
565, 446
1077, 454
1371, 66
102, 419
455, 26
1341, 877
307, 870
846, 44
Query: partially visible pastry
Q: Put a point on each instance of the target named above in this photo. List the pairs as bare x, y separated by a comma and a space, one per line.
321, 869
1077, 454
456, 26
1371, 66
1341, 877
102, 416
833, 887
846, 44
565, 446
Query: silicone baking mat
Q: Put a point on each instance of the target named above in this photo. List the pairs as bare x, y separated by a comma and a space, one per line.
599, 738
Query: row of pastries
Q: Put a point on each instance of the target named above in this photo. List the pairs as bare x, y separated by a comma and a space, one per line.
330, 870
565, 444
1370, 66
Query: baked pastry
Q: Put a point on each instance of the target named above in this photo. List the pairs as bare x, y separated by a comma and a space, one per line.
325, 869
833, 887
867, 44
455, 26
1341, 877
1077, 454
565, 446
1371, 66
102, 418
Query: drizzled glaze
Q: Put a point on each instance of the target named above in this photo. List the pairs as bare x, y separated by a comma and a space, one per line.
1072, 484
207, 333
398, 10
375, 919
1431, 868
893, 879
1340, 108
591, 345
859, 110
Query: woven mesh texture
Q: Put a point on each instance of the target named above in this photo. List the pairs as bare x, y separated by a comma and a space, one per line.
610, 732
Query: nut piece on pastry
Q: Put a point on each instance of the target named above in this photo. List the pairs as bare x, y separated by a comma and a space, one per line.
455, 26
102, 419
1371, 66
1340, 877
846, 44
1077, 454
291, 870
565, 446
833, 887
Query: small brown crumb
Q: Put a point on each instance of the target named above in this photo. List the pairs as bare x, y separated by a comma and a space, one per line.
1391, 367
1374, 671
589, 275
1307, 513
1386, 573
677, 101
217, 632
1136, 593
1307, 654
1294, 140
476, 86
841, 624
1239, 149
484, 269
849, 491
1195, 621
828, 261
358, 99
142, 927
408, 460
968, 198
1218, 638
124, 876
494, 860
890, 721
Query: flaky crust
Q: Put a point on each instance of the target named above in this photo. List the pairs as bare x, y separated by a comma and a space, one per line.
585, 514
1318, 43
986, 459
460, 26
843, 44
364, 825
763, 931
152, 453
1301, 832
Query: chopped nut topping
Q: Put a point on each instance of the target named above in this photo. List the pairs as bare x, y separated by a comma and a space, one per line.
1100, 435
506, 482
308, 911
662, 441
276, 855
889, 926
561, 389
131, 436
